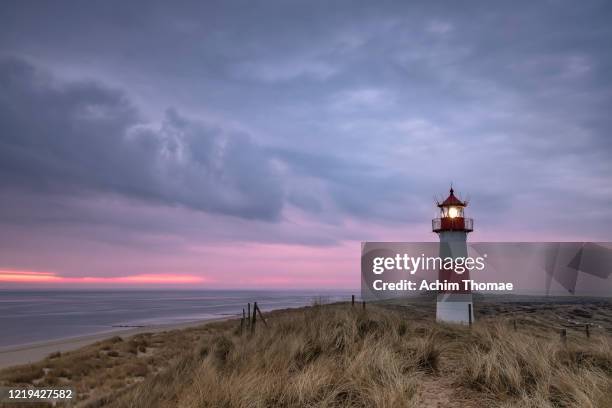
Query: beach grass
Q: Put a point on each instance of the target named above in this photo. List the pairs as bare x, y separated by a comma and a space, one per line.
337, 355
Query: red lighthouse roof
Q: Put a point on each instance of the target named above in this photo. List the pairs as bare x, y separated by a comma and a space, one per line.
451, 200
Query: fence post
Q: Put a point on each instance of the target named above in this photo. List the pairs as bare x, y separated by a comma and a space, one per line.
254, 321
352, 300
588, 332
514, 324
242, 321
260, 315
563, 335
363, 305
249, 314
470, 314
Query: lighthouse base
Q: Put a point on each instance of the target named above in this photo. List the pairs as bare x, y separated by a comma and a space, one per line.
455, 308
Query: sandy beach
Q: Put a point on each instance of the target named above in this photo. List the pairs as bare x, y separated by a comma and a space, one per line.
33, 352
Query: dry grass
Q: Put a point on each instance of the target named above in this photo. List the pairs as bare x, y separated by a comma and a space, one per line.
336, 356
23, 374
103, 368
339, 356
543, 373
322, 356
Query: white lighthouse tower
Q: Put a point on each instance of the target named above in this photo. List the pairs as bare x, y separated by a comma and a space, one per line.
452, 227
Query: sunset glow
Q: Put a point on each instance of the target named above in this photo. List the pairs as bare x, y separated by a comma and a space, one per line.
27, 276
14, 276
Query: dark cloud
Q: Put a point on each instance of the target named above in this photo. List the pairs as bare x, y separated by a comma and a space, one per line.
84, 138
351, 110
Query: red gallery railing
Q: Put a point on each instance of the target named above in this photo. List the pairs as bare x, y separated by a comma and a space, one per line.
452, 224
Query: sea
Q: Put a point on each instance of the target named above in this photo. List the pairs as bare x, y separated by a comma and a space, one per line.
28, 317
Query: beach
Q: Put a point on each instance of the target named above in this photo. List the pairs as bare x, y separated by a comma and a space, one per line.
36, 318
29, 353
38, 323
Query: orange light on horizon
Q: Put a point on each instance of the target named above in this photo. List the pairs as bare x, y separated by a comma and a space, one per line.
17, 276
27, 276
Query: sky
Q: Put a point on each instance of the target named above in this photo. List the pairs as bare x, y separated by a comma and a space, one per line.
240, 144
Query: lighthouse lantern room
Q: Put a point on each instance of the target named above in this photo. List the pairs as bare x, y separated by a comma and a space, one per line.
452, 227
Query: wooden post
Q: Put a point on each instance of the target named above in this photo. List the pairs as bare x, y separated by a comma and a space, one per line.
470, 314
352, 300
249, 314
260, 315
563, 335
242, 321
363, 305
588, 332
254, 321
514, 324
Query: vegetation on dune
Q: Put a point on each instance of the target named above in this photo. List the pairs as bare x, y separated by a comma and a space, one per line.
340, 356
539, 372
104, 367
323, 356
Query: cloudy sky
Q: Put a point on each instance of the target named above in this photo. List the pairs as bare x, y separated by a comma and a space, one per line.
256, 144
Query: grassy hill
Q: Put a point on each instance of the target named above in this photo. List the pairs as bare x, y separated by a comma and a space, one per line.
391, 355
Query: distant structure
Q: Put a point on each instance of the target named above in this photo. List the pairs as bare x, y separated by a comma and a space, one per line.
452, 227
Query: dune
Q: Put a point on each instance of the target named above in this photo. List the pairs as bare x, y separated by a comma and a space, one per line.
519, 354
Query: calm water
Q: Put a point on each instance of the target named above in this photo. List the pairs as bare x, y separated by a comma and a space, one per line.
33, 316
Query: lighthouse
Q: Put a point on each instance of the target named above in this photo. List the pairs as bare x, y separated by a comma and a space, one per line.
452, 227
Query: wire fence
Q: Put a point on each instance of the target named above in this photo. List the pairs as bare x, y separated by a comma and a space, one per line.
248, 320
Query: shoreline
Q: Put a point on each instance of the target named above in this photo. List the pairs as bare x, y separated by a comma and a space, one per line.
33, 352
